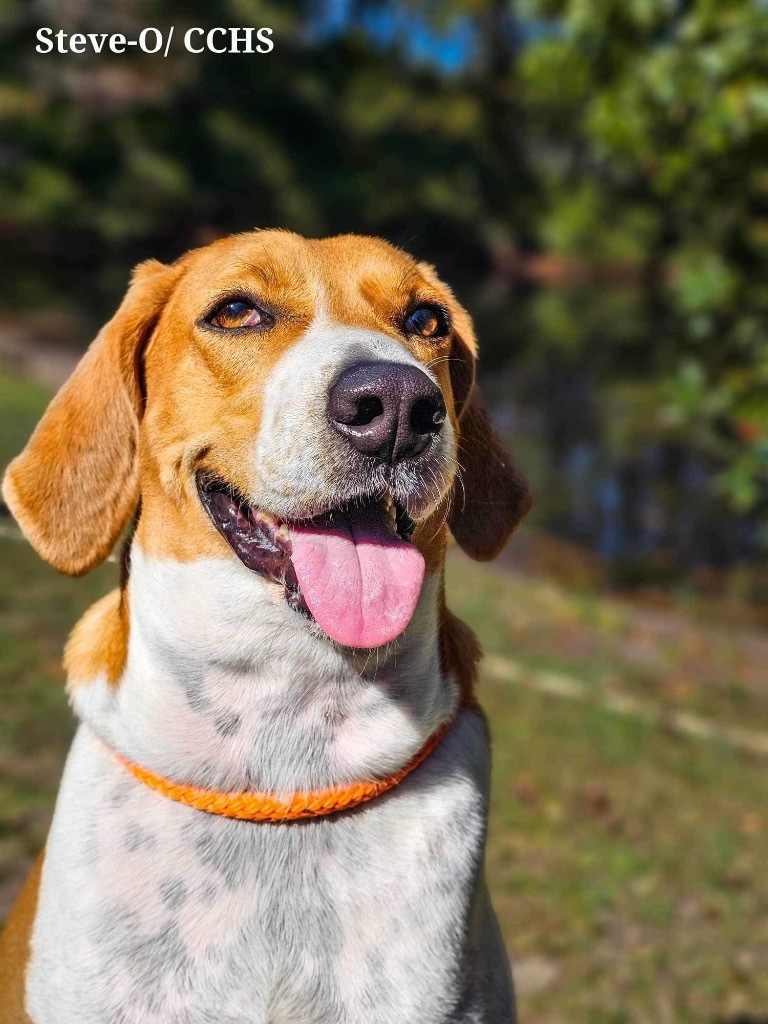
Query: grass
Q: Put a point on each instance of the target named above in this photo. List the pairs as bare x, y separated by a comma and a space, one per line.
635, 863
628, 862
627, 866
678, 656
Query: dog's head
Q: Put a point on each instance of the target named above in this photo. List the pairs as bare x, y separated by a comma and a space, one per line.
305, 406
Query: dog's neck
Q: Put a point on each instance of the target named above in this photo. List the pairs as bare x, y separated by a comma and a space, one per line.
225, 687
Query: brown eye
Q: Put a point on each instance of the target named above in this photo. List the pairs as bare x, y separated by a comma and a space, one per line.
427, 322
238, 314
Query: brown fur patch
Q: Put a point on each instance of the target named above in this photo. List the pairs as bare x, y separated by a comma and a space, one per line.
99, 642
15, 950
205, 399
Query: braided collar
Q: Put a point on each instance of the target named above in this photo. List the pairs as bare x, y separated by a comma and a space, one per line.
256, 806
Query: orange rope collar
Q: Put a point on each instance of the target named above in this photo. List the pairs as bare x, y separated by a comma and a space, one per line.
253, 806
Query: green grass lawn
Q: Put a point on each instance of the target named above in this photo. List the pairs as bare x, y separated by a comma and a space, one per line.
629, 866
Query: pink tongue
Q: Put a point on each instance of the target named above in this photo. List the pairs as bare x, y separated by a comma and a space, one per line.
360, 580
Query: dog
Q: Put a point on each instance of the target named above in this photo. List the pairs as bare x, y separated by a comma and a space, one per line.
274, 809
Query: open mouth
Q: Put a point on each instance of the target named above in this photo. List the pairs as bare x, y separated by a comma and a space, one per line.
352, 568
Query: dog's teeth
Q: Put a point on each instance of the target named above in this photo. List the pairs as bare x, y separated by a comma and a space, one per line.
282, 532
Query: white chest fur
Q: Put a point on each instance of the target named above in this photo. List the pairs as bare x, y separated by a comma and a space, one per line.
152, 912
226, 687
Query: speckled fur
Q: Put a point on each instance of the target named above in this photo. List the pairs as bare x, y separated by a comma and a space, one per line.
157, 913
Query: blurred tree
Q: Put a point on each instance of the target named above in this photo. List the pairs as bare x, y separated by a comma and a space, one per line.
651, 125
111, 158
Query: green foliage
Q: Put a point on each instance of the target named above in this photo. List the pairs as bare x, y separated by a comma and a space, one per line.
656, 126
115, 158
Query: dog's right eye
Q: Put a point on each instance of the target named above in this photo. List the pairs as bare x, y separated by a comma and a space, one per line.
236, 314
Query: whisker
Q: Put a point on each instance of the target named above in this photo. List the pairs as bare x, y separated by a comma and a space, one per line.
442, 359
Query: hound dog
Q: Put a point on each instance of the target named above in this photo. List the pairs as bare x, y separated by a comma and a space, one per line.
274, 809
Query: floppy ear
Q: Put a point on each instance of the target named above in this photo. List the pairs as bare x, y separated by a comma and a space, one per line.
75, 485
492, 496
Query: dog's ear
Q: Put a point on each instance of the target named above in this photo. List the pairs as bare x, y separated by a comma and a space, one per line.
491, 495
75, 485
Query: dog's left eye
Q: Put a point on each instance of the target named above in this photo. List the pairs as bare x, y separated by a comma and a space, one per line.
238, 314
427, 322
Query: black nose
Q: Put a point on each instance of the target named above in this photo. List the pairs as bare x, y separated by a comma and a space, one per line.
389, 411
